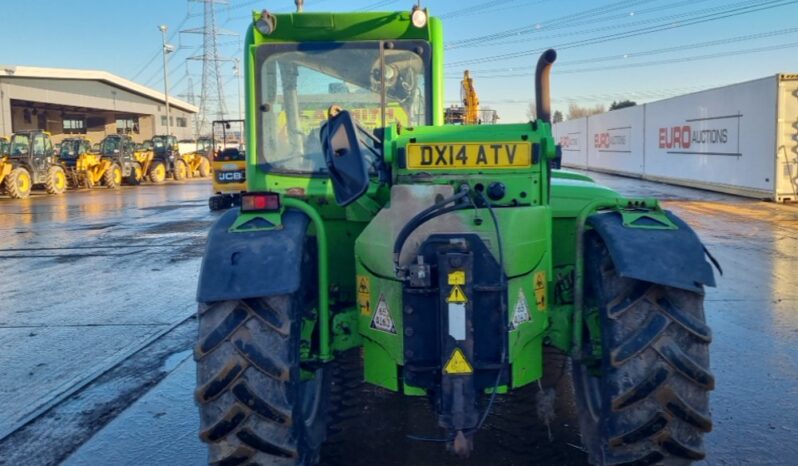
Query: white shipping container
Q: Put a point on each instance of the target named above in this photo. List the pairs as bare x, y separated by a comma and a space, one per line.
740, 139
571, 135
787, 138
615, 141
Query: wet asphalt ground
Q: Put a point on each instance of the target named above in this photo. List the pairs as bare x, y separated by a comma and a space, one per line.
96, 327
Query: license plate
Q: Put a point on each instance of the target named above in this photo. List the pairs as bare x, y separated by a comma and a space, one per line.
469, 155
238, 176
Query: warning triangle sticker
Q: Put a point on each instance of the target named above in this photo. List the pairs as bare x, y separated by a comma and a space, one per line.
521, 312
458, 364
457, 295
382, 317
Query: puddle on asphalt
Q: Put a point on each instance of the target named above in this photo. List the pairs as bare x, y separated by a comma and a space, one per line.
174, 360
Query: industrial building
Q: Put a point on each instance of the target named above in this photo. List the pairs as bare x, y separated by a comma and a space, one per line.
90, 103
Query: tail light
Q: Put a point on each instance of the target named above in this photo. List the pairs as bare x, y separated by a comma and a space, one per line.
260, 202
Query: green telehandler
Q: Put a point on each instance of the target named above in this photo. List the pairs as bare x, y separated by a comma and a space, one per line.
447, 256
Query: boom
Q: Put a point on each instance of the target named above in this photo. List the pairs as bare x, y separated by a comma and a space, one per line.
468, 94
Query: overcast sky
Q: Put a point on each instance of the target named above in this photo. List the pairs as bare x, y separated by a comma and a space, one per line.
608, 50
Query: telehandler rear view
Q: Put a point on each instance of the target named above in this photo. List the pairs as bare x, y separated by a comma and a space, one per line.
449, 256
198, 161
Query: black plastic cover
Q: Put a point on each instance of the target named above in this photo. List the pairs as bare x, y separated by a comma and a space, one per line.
251, 264
666, 257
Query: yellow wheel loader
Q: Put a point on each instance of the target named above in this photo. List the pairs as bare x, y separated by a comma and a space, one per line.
143, 155
5, 165
112, 165
31, 161
198, 162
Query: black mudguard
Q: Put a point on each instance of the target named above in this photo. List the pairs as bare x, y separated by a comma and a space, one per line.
247, 265
667, 257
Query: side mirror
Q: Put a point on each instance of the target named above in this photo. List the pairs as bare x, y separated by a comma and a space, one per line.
348, 170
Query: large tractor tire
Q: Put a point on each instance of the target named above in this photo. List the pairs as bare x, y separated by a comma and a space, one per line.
112, 177
180, 170
647, 401
56, 182
157, 172
204, 167
136, 174
18, 183
254, 408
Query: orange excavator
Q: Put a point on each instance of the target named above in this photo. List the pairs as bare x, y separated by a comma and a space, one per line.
470, 100
469, 113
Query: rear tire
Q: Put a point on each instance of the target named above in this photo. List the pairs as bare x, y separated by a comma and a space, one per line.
56, 182
136, 174
204, 167
157, 172
18, 183
254, 409
650, 405
180, 170
217, 203
112, 177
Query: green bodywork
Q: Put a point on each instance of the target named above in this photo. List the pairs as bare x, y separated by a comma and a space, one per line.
540, 217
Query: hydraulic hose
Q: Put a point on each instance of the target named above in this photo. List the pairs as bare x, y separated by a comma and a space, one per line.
424, 216
502, 305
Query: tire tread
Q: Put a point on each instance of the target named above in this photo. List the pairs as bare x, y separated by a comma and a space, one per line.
656, 375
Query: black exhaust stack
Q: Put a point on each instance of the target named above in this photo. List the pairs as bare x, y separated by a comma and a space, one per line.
542, 88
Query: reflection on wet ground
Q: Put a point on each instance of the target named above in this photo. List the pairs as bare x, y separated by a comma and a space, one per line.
88, 277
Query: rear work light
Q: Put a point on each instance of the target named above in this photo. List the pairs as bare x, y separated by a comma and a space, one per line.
260, 202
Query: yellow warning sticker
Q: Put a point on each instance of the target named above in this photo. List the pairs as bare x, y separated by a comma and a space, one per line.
364, 295
540, 290
540, 280
540, 299
458, 364
457, 295
457, 277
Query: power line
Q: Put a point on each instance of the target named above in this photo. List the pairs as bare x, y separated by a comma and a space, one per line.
479, 7
592, 13
158, 53
670, 61
602, 18
723, 54
633, 55
212, 89
376, 5
643, 94
633, 33
188, 16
